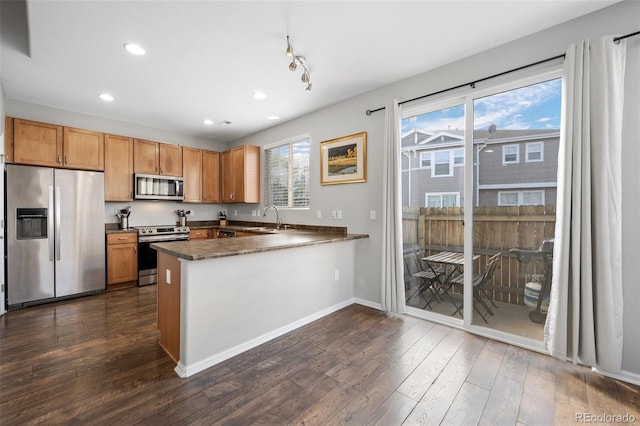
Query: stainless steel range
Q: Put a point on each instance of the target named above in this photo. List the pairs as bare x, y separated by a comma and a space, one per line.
148, 257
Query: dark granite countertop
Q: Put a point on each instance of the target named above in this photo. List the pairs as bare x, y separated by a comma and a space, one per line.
224, 247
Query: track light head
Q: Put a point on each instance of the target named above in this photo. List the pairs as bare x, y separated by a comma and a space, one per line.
289, 51
298, 60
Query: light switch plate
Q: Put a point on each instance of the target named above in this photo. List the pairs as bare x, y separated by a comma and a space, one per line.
339, 214
333, 214
372, 215
318, 214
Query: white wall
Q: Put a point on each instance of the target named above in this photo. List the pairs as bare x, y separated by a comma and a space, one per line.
356, 200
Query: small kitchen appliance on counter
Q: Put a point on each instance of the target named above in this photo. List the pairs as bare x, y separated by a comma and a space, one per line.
223, 218
182, 217
123, 215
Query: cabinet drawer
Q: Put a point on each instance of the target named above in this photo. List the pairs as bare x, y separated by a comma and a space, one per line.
123, 238
198, 234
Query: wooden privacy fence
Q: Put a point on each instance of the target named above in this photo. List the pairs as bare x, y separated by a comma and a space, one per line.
495, 229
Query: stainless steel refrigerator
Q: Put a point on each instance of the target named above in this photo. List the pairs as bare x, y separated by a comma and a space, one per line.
55, 234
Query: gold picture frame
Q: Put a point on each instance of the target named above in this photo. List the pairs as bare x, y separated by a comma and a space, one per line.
344, 160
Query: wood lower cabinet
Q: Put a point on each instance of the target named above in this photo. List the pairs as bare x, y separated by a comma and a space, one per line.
169, 304
122, 260
157, 158
240, 174
118, 168
199, 234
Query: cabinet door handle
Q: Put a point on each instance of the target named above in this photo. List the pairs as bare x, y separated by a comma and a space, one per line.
59, 159
123, 238
135, 249
66, 159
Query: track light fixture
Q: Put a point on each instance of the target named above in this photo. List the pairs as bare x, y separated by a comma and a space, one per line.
297, 60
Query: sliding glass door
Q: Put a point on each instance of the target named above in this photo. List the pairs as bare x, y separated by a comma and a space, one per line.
433, 196
488, 159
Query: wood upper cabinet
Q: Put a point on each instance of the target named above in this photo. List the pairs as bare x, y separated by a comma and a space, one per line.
37, 143
122, 260
240, 171
8, 139
44, 144
157, 158
210, 176
83, 149
118, 168
192, 174
201, 172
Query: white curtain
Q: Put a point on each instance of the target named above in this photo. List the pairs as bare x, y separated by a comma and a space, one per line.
392, 269
584, 321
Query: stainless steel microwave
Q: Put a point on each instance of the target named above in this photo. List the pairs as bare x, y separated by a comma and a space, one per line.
156, 187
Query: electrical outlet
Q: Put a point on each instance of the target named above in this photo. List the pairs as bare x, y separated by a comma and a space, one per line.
339, 214
318, 214
372, 215
336, 275
235, 212
253, 213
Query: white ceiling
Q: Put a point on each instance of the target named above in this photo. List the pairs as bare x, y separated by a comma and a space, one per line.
205, 58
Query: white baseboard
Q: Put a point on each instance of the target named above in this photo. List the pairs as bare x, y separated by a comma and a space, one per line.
364, 302
184, 371
625, 376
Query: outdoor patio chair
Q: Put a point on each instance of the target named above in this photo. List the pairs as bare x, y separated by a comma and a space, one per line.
426, 277
479, 282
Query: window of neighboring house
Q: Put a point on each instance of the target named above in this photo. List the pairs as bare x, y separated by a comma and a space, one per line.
442, 164
458, 157
442, 199
425, 159
534, 152
510, 154
287, 173
520, 198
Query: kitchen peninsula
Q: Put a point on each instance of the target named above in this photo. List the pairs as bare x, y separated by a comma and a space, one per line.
220, 297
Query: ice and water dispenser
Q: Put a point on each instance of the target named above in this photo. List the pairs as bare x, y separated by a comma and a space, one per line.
31, 223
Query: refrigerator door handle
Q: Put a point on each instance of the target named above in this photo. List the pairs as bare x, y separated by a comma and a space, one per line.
50, 224
57, 214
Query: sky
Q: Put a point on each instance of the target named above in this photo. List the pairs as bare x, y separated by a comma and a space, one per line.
530, 107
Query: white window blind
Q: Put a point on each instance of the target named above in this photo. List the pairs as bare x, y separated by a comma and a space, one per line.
287, 174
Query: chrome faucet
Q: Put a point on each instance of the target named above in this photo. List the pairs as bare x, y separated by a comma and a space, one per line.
277, 214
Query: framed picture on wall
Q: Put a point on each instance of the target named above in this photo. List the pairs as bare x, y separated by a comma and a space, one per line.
344, 160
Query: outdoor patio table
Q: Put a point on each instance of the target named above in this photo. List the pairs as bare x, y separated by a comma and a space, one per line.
453, 263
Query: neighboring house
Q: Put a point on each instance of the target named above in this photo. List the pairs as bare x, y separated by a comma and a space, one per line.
516, 167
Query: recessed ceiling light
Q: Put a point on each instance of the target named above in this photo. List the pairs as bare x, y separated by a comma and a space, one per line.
207, 122
259, 95
273, 117
224, 123
134, 49
105, 97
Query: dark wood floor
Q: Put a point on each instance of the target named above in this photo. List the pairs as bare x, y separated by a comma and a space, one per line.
97, 361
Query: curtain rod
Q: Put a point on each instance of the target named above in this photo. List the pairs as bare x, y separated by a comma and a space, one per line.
472, 84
